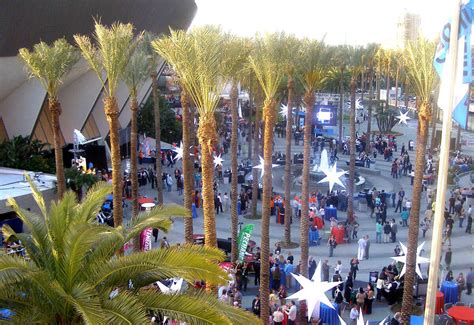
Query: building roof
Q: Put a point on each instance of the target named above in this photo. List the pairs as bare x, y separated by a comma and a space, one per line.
13, 182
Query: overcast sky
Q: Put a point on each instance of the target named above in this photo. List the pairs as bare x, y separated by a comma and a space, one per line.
354, 22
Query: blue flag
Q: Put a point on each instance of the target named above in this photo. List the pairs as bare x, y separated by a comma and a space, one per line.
464, 72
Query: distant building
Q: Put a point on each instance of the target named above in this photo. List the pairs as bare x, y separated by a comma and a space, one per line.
408, 28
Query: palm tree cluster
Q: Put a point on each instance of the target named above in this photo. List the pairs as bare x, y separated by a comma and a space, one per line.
204, 60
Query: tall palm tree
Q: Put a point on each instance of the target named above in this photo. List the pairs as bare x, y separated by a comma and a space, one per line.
371, 52
422, 77
73, 275
153, 62
312, 77
388, 61
110, 54
197, 59
136, 72
265, 62
236, 53
290, 56
49, 64
256, 137
355, 66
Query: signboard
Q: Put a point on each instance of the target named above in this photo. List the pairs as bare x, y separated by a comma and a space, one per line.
243, 241
145, 239
325, 115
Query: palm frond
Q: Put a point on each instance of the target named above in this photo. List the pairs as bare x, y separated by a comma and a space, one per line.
60, 215
187, 262
312, 65
14, 269
50, 63
124, 308
157, 217
196, 307
89, 207
137, 69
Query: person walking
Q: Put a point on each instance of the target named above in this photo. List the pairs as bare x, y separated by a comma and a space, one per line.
448, 258
401, 195
461, 285
292, 312
367, 247
469, 281
332, 244
378, 231
354, 315
361, 248
325, 269
469, 222
425, 225
226, 202
256, 306
387, 230
394, 230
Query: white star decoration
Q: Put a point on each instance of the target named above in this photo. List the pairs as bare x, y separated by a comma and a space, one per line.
284, 110
360, 320
179, 151
332, 177
262, 167
173, 288
419, 259
403, 118
218, 160
313, 291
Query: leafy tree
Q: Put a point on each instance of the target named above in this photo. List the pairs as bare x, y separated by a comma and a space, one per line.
49, 64
385, 117
171, 130
76, 180
73, 275
27, 154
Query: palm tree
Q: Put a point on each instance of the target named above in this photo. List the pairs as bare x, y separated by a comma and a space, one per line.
236, 53
290, 56
422, 77
136, 72
110, 54
153, 62
49, 64
355, 66
312, 77
265, 62
370, 59
73, 276
197, 59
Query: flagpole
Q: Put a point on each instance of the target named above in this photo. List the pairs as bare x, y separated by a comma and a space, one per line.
435, 256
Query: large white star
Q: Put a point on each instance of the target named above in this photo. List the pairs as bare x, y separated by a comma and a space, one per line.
173, 288
261, 166
419, 259
179, 151
218, 160
403, 118
284, 110
360, 320
332, 177
313, 290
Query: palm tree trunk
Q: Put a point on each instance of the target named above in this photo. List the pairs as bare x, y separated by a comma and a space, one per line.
396, 89
309, 100
458, 138
413, 231
55, 108
188, 185
133, 156
369, 113
269, 113
207, 138
352, 144
156, 110
112, 113
289, 129
341, 110
250, 135
255, 177
234, 96
387, 79
433, 128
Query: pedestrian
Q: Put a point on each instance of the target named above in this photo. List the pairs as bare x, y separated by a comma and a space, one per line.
425, 225
169, 182
278, 317
292, 312
325, 269
378, 231
404, 215
354, 315
448, 258
394, 229
164, 243
447, 234
397, 250
387, 230
401, 195
469, 222
332, 244
367, 247
155, 234
354, 267
461, 285
226, 201
256, 305
355, 230
369, 299
360, 298
462, 216
361, 248
469, 281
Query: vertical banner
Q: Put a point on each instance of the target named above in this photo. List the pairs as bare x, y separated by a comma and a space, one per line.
145, 239
243, 241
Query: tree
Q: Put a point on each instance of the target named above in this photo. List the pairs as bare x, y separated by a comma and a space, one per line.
136, 72
422, 77
312, 77
73, 275
49, 64
27, 154
236, 54
197, 59
355, 66
76, 180
265, 62
385, 117
152, 68
110, 54
370, 59
290, 61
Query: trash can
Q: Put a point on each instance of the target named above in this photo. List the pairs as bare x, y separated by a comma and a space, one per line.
362, 202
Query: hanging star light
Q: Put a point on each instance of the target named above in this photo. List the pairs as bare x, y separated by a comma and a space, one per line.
173, 288
403, 118
314, 291
360, 320
419, 259
284, 110
179, 151
261, 166
218, 160
332, 177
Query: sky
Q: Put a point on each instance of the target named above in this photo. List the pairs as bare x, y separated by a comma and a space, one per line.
352, 22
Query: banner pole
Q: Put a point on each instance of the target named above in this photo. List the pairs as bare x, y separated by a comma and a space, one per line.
435, 256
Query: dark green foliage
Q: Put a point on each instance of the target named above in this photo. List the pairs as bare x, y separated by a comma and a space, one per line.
386, 118
77, 180
24, 153
171, 129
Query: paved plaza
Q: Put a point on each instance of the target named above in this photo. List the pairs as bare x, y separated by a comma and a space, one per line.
462, 243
